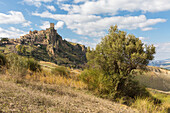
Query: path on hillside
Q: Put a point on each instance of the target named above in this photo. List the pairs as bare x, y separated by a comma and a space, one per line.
24, 96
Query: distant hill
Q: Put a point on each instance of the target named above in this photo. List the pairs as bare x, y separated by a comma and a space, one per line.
161, 63
154, 77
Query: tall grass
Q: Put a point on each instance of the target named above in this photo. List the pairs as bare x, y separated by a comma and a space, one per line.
49, 78
147, 106
60, 70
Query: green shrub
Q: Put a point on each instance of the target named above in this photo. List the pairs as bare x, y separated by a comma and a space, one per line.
105, 86
60, 70
3, 60
93, 78
33, 65
21, 49
17, 65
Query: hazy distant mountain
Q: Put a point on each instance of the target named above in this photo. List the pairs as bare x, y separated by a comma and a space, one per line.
161, 63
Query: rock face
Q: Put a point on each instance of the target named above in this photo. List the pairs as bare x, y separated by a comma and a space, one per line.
55, 46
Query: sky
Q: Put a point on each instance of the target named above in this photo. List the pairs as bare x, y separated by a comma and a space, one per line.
87, 21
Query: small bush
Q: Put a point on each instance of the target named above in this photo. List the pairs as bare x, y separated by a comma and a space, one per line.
3, 60
60, 70
21, 49
33, 65
19, 65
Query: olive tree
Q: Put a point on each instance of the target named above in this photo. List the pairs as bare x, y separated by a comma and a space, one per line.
116, 56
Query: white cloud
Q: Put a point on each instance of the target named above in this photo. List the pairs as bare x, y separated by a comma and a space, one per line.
83, 42
37, 3
113, 6
80, 1
162, 51
142, 38
59, 24
45, 24
95, 26
163, 47
14, 17
147, 28
26, 24
11, 32
71, 40
50, 7
87, 43
85, 38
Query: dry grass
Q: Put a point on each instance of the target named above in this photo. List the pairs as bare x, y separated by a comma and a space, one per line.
163, 96
48, 78
156, 78
147, 106
19, 95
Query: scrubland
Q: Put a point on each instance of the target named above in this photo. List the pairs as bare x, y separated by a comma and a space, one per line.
27, 85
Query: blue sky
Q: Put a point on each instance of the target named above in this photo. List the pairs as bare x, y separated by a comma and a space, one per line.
87, 21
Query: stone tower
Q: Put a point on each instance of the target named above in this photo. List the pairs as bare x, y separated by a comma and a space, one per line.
52, 25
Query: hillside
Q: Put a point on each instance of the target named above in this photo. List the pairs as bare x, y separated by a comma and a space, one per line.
25, 96
46, 45
161, 63
55, 88
155, 77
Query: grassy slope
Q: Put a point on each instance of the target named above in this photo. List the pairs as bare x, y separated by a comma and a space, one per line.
156, 78
64, 57
26, 96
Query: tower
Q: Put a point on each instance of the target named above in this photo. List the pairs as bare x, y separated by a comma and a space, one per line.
52, 25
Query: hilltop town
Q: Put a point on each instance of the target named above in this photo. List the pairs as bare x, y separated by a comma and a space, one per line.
50, 43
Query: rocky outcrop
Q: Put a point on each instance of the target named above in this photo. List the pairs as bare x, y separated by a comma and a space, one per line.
70, 53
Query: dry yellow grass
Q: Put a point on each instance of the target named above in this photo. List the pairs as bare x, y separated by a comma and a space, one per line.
147, 106
20, 95
47, 77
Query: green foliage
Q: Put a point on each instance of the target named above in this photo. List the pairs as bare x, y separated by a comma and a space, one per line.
4, 39
18, 47
3, 60
21, 49
60, 70
112, 62
119, 53
33, 65
19, 65
105, 85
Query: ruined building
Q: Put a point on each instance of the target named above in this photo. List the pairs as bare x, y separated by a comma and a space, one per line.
54, 44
